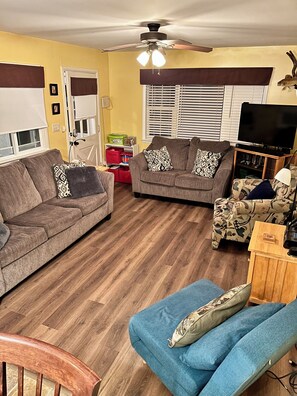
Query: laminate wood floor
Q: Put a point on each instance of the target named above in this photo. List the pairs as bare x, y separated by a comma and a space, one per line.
83, 299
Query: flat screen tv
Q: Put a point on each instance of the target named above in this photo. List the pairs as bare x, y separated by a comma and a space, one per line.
268, 124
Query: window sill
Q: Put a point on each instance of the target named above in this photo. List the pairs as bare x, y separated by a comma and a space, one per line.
11, 158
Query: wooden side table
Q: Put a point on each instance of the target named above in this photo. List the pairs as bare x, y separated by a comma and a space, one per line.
272, 272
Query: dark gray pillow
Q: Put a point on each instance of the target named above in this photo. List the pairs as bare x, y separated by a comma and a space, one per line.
4, 234
84, 181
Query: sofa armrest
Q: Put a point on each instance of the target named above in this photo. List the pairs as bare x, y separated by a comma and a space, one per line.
223, 176
107, 179
255, 353
261, 206
242, 187
137, 164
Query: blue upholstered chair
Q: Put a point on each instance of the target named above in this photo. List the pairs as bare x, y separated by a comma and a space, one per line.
251, 356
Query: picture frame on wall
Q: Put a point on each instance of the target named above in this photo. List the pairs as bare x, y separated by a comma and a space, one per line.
53, 89
55, 108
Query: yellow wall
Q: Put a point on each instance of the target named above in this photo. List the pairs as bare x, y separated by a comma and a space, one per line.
53, 56
126, 92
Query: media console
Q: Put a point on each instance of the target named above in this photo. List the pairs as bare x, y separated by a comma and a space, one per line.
277, 151
255, 164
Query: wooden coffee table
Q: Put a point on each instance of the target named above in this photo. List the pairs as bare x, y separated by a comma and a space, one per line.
272, 272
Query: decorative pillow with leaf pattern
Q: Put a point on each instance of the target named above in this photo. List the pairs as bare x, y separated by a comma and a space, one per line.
205, 318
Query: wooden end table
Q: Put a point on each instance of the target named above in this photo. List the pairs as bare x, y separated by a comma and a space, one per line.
272, 272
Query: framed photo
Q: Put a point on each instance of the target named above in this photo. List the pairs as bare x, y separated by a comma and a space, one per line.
55, 108
53, 89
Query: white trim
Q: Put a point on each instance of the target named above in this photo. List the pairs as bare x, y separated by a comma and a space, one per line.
22, 154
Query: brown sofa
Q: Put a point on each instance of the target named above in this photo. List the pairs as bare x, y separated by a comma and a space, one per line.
42, 225
180, 182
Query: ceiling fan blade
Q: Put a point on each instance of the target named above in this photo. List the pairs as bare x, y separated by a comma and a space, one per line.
120, 47
191, 47
172, 42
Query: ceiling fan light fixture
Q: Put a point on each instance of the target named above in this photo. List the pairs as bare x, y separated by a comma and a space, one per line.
143, 58
158, 59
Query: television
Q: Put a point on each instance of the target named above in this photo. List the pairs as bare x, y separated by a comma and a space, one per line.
268, 125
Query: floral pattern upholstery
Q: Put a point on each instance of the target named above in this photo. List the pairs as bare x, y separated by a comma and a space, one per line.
234, 217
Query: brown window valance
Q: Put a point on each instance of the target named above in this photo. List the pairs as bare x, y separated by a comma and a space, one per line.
83, 86
21, 76
207, 76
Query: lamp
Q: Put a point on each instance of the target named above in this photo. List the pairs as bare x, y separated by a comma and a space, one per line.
157, 53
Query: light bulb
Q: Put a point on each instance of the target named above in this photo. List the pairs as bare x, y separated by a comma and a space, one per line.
158, 58
143, 58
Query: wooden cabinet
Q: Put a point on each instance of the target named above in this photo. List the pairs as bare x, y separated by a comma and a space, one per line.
272, 272
248, 163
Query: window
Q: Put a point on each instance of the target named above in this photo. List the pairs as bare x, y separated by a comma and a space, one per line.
208, 112
13, 144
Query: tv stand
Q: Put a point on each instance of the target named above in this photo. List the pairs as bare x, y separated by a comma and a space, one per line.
277, 151
257, 164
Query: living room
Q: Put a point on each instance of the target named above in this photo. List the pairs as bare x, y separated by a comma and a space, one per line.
82, 299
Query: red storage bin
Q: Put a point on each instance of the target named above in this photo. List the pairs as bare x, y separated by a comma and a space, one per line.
125, 175
113, 155
115, 171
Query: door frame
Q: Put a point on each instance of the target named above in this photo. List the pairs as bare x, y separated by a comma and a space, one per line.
67, 95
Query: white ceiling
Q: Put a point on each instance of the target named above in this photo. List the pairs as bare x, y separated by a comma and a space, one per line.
101, 24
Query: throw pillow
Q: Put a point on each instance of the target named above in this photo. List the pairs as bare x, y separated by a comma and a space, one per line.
84, 181
262, 191
158, 160
210, 350
206, 163
200, 321
61, 178
4, 234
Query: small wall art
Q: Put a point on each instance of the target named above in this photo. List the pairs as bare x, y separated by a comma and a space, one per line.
55, 108
53, 89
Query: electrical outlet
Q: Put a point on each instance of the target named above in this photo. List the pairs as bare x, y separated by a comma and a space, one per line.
56, 127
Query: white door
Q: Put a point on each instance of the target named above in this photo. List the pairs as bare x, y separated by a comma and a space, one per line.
84, 140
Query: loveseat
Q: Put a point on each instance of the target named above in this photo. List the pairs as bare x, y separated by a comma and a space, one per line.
227, 359
179, 182
41, 224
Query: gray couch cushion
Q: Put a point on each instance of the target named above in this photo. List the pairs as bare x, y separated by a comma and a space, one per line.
4, 234
40, 168
178, 150
53, 219
85, 204
17, 191
207, 145
164, 178
193, 182
21, 241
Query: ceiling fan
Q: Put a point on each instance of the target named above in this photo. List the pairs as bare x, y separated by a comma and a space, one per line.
154, 44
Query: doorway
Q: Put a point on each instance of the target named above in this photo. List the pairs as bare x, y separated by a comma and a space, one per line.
81, 94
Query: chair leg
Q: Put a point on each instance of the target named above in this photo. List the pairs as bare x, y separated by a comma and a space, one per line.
137, 195
108, 217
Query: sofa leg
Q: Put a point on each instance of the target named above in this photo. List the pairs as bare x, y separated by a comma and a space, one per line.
108, 217
137, 195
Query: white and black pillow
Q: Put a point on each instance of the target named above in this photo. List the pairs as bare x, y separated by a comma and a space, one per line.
206, 163
61, 178
158, 160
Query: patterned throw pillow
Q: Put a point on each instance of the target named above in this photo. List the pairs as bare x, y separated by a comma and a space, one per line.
200, 321
61, 178
206, 163
158, 160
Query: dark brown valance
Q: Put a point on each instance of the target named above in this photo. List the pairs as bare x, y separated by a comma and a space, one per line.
21, 76
207, 76
83, 86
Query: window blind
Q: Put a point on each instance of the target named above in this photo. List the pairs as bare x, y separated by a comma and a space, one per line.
200, 111
233, 99
21, 109
85, 106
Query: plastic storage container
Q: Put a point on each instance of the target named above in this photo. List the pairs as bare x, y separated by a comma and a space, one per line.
125, 157
125, 175
116, 138
113, 155
115, 171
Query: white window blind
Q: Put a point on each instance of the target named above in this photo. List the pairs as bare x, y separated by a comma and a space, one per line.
21, 109
200, 111
85, 106
233, 99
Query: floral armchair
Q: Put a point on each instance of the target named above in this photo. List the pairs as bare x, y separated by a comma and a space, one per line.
234, 217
